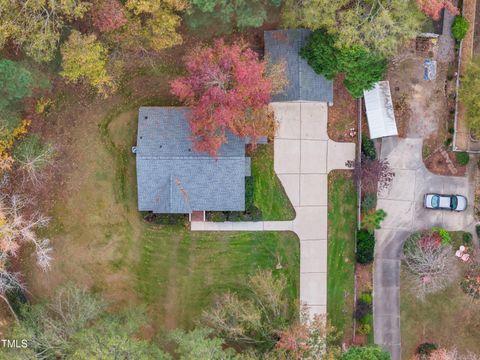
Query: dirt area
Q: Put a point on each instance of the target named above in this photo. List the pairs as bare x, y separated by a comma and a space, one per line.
363, 274
342, 116
425, 108
444, 162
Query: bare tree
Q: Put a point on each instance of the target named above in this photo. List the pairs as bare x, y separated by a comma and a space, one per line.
372, 174
432, 266
8, 282
253, 319
16, 229
451, 354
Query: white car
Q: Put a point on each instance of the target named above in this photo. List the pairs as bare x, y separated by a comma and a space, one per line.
445, 202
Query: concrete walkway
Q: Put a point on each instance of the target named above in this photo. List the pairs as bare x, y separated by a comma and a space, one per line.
403, 203
304, 155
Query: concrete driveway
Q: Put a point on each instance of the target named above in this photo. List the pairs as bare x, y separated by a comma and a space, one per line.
403, 203
303, 157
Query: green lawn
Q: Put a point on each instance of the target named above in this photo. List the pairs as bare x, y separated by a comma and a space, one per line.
342, 200
101, 241
269, 195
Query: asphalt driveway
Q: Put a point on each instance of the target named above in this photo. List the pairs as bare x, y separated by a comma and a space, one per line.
403, 203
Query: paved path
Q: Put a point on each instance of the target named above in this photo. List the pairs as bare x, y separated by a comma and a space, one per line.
403, 203
303, 157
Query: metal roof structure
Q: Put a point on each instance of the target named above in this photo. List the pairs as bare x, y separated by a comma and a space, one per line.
380, 114
303, 83
173, 178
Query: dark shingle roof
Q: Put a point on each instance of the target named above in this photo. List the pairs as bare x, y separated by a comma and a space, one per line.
303, 83
172, 178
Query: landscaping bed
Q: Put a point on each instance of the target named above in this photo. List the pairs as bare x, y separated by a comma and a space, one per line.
343, 114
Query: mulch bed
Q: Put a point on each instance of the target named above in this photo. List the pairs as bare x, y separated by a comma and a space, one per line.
342, 116
438, 164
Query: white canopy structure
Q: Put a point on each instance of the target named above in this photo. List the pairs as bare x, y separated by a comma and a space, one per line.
380, 115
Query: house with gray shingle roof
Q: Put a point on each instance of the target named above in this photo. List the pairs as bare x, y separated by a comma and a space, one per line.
173, 178
303, 83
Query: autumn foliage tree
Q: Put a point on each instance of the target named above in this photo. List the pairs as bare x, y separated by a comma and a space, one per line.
152, 24
36, 25
108, 15
372, 174
85, 58
433, 8
228, 89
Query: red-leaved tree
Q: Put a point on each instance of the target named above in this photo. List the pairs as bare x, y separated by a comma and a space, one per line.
108, 15
433, 8
228, 89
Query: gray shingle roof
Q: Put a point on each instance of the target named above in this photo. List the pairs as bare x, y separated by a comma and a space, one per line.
172, 178
303, 83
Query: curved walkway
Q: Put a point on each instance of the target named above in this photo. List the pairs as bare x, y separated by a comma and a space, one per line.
403, 203
303, 157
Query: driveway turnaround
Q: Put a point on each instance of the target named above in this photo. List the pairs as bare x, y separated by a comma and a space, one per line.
403, 203
303, 157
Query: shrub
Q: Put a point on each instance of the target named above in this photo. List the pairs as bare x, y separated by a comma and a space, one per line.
467, 238
372, 221
426, 348
444, 234
460, 27
166, 219
462, 157
364, 329
365, 246
216, 216
370, 352
366, 297
369, 202
471, 283
235, 216
368, 148
33, 155
367, 319
477, 230
362, 309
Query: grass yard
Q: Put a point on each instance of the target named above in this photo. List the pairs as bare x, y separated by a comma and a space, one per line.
269, 195
342, 200
448, 318
101, 241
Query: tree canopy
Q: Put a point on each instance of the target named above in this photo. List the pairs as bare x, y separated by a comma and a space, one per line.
15, 83
433, 8
152, 24
36, 25
108, 15
362, 68
380, 26
228, 89
230, 13
365, 353
85, 58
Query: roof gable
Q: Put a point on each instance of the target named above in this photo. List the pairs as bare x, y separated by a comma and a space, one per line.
172, 178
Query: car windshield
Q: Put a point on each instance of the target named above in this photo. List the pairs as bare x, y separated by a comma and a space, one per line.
435, 201
453, 202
